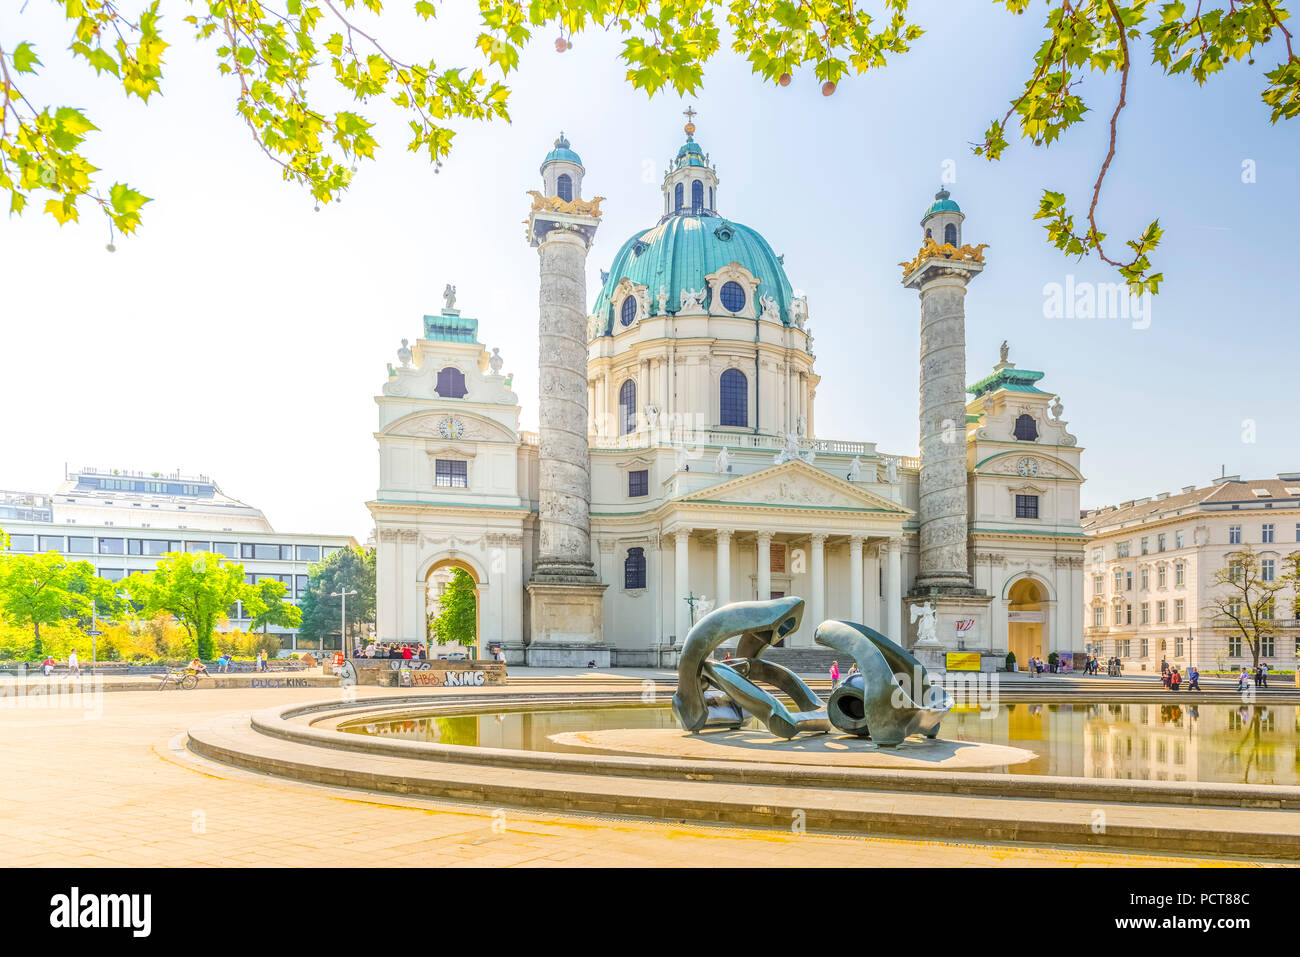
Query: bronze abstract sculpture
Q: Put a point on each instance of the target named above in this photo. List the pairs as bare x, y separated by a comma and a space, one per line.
873, 702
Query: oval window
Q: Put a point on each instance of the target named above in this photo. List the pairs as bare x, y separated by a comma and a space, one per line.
733, 296
627, 314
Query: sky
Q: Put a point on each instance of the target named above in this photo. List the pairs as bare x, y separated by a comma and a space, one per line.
242, 335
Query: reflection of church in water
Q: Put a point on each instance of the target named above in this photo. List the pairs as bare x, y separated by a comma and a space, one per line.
678, 465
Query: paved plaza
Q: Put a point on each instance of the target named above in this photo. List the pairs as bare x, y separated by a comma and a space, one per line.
122, 790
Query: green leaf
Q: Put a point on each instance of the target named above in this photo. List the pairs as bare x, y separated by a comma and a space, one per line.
25, 59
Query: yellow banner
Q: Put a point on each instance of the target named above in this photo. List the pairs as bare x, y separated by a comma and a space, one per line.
963, 661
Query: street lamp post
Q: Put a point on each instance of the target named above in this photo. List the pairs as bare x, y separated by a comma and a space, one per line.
343, 619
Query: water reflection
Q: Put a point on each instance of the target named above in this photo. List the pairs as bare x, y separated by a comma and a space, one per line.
1257, 744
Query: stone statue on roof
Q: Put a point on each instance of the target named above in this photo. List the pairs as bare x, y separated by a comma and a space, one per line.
1004, 350
449, 298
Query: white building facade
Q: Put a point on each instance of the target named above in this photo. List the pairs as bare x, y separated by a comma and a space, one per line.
708, 480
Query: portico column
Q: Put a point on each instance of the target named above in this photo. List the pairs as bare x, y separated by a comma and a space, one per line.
871, 601
764, 569
817, 569
724, 567
894, 592
855, 578
682, 570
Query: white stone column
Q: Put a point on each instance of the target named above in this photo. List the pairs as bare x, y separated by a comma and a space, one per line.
817, 573
893, 616
764, 568
855, 579
723, 572
564, 478
682, 574
871, 602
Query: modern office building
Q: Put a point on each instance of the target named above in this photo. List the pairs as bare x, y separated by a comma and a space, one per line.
1151, 572
121, 522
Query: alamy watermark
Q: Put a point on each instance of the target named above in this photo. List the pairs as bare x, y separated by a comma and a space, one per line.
1095, 300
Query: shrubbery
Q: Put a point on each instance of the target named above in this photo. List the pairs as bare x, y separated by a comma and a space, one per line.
157, 639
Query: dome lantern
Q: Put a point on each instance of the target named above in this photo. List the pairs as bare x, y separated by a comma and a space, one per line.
691, 183
562, 171
942, 221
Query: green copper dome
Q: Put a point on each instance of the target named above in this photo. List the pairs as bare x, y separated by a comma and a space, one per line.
941, 204
562, 152
690, 154
681, 251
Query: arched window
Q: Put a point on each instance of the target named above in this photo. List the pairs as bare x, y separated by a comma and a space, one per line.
678, 193
627, 314
451, 383
710, 197
564, 187
627, 408
733, 393
1026, 428
929, 234
732, 296
697, 195
634, 568
950, 234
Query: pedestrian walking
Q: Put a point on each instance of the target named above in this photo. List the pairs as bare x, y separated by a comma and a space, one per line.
74, 665
1263, 675
835, 675
1193, 679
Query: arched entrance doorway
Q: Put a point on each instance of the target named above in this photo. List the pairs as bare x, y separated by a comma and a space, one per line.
439, 579
1027, 620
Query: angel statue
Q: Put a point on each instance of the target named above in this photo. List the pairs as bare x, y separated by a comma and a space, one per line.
771, 309
449, 298
923, 618
692, 299
1004, 350
855, 470
661, 301
891, 470
789, 452
723, 461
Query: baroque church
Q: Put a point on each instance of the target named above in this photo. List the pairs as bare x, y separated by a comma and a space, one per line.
678, 465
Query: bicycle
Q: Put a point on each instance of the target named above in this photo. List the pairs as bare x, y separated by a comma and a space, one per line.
183, 678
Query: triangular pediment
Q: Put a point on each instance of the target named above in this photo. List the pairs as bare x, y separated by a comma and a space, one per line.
795, 484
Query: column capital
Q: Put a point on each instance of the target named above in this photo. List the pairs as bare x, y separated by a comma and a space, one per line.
724, 534
818, 538
681, 533
765, 537
857, 541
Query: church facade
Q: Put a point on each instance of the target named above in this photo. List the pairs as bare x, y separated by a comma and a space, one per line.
679, 467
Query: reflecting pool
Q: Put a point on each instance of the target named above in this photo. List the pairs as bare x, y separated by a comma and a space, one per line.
1256, 744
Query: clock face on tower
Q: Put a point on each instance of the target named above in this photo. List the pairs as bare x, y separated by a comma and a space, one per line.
1027, 467
451, 428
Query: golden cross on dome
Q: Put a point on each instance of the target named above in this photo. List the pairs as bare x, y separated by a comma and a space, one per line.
690, 114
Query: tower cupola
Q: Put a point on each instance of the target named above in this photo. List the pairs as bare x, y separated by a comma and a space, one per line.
691, 183
942, 221
562, 172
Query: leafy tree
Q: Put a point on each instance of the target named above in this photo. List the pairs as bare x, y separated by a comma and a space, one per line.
266, 606
1291, 577
197, 588
1245, 603
456, 620
269, 49
43, 589
4, 540
348, 569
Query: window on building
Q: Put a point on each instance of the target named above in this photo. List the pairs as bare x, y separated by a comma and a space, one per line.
1162, 574
308, 553
227, 549
1122, 549
50, 543
1267, 646
1026, 506
198, 546
710, 197
451, 383
112, 574
1160, 543
1146, 577
697, 196
1234, 571
112, 546
1267, 570
1117, 615
638, 483
564, 187
1180, 610
1234, 534
451, 473
1162, 612
1178, 539
634, 569
950, 234
733, 396
1146, 545
1122, 647
1180, 573
1098, 616
300, 585
679, 193
1128, 581
627, 313
1144, 648
1098, 584
627, 408
1146, 613
1266, 534
732, 295
1234, 646
22, 543
1119, 580
80, 545
1128, 614
1026, 428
